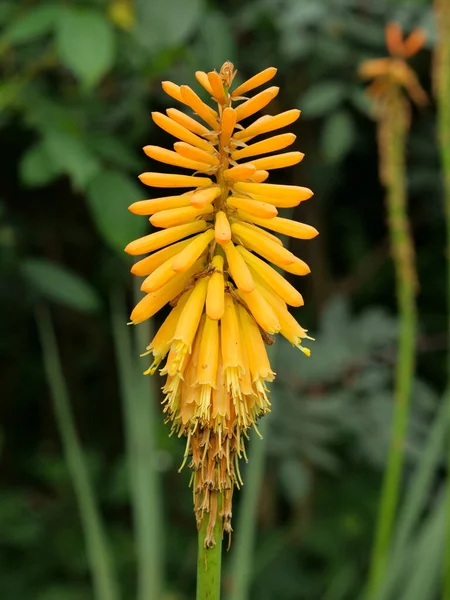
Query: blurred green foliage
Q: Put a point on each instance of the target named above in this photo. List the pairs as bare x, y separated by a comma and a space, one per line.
78, 82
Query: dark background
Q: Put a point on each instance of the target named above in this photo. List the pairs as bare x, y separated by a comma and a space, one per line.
78, 82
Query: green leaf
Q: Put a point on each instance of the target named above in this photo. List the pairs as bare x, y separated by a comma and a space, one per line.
114, 150
71, 155
109, 195
168, 23
32, 24
338, 136
36, 167
57, 284
85, 42
322, 98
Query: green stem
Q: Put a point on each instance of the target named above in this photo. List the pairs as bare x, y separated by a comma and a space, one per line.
140, 434
442, 85
105, 586
392, 130
209, 563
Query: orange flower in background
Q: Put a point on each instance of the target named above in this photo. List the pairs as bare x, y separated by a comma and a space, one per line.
210, 262
393, 72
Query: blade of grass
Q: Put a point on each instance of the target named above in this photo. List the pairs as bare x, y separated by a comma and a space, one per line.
442, 91
424, 573
103, 577
139, 412
415, 502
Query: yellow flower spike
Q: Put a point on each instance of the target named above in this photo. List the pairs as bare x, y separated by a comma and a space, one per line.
172, 90
264, 314
178, 216
253, 207
208, 261
230, 341
180, 132
289, 327
168, 180
251, 227
199, 107
203, 80
298, 267
269, 294
263, 245
220, 396
250, 107
273, 279
172, 158
196, 154
240, 172
228, 124
187, 257
255, 81
259, 176
222, 228
189, 389
159, 239
160, 276
292, 193
278, 161
200, 198
216, 84
160, 344
147, 265
154, 301
238, 269
179, 278
188, 323
207, 364
215, 300
258, 360
150, 207
277, 142
288, 227
268, 123
186, 121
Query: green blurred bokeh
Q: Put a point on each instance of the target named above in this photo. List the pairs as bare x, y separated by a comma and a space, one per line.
78, 82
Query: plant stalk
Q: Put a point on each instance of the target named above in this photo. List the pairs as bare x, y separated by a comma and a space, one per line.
103, 577
442, 91
209, 562
392, 129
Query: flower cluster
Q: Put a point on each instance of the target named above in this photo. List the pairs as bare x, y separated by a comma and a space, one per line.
210, 262
392, 73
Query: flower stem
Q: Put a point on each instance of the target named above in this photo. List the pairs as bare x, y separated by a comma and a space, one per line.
393, 127
209, 562
442, 89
